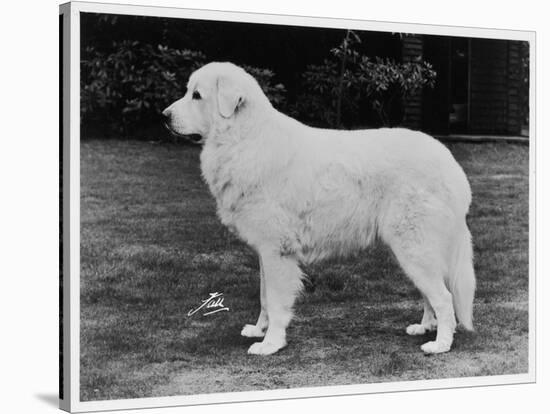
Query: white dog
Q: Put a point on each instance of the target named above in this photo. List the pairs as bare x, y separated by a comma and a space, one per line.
298, 194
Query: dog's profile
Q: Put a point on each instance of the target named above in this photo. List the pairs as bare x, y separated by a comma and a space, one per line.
298, 194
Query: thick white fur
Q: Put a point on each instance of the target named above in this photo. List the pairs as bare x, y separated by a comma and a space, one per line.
298, 194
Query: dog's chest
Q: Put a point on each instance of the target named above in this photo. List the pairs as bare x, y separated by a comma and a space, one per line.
228, 178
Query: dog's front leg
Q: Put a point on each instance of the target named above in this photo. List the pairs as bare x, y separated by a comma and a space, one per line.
258, 330
282, 284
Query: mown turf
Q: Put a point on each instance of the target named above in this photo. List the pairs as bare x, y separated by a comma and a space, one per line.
152, 249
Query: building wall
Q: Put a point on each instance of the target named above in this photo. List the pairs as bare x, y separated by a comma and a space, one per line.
494, 86
412, 50
488, 86
514, 88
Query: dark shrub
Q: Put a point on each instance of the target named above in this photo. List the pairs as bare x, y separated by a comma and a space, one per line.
276, 92
343, 89
124, 90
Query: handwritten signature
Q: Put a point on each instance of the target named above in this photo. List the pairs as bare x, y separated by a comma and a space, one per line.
214, 302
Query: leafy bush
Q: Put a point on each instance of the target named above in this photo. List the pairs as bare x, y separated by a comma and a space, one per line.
316, 104
276, 92
349, 84
125, 88
131, 84
386, 81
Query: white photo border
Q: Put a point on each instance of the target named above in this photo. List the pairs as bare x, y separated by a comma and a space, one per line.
71, 194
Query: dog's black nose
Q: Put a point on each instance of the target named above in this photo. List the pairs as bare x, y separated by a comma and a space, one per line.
166, 116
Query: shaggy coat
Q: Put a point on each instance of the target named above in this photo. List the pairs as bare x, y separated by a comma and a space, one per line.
298, 194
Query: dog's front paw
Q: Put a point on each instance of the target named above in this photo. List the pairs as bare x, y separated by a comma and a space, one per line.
252, 331
434, 347
264, 348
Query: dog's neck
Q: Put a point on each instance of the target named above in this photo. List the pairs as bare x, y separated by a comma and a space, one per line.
229, 143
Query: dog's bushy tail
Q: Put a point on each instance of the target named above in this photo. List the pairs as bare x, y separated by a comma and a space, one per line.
462, 281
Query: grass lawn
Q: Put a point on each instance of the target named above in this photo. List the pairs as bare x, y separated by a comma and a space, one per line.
152, 249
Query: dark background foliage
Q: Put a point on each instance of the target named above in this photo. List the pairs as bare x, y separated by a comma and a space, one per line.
133, 66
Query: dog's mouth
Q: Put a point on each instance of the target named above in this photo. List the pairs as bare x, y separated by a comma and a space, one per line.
192, 138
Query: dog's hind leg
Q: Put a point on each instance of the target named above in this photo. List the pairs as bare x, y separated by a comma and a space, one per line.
258, 330
428, 323
418, 231
282, 284
426, 272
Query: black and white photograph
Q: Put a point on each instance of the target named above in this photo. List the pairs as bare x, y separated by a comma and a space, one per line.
260, 205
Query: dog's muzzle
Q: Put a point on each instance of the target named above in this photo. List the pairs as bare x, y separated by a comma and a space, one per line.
193, 138
167, 120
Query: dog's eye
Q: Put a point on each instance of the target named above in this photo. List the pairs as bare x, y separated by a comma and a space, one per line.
196, 95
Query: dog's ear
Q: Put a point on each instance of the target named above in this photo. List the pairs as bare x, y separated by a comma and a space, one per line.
230, 97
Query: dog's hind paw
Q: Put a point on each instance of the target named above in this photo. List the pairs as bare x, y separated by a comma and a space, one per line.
252, 331
264, 348
434, 347
420, 329
416, 329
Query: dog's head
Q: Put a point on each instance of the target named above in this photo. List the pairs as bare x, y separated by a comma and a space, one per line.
217, 94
